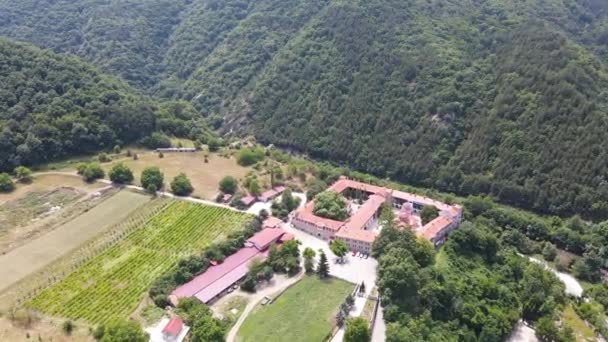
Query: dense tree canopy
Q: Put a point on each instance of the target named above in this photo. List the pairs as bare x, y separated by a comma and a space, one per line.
53, 106
494, 97
332, 205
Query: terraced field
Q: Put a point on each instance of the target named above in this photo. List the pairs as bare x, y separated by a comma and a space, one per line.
112, 283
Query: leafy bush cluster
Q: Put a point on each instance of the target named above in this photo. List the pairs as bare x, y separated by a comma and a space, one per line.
476, 290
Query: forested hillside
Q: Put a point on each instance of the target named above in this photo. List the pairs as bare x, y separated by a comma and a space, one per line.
470, 96
53, 106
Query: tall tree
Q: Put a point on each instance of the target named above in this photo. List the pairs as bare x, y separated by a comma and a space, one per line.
323, 267
357, 330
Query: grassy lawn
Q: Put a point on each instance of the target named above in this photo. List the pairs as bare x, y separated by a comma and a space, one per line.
581, 330
304, 312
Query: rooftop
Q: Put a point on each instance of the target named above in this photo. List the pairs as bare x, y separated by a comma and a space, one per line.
173, 327
265, 237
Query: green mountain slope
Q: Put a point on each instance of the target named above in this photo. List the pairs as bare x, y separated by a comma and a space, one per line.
53, 106
471, 96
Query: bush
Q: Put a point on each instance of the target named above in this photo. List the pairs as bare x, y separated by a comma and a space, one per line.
121, 174
151, 176
181, 185
248, 285
23, 174
248, 157
103, 158
156, 140
68, 327
6, 183
92, 172
228, 185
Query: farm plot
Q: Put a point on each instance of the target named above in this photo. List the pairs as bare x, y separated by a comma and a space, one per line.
40, 252
111, 284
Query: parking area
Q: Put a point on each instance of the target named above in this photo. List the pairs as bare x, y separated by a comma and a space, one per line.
353, 269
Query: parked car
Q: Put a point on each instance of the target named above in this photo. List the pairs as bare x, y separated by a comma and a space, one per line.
366, 255
354, 253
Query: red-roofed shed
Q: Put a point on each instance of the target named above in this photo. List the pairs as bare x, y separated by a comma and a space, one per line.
173, 327
264, 238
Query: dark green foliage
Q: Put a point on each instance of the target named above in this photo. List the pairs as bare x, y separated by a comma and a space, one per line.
330, 204
356, 330
287, 204
204, 328
6, 183
121, 174
92, 171
478, 97
248, 157
181, 185
120, 331
67, 327
152, 177
156, 140
23, 174
323, 267
248, 284
228, 185
477, 291
315, 187
428, 214
285, 259
55, 106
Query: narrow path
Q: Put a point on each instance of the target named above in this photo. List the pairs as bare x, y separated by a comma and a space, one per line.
139, 188
269, 291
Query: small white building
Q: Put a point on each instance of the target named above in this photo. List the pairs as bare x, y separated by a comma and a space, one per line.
168, 330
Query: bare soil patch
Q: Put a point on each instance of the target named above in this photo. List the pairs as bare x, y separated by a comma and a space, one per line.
49, 182
205, 177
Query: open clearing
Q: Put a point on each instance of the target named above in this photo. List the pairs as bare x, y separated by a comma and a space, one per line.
43, 250
205, 177
112, 284
49, 182
304, 312
582, 332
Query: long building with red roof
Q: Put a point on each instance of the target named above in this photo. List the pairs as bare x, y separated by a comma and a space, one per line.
358, 230
220, 276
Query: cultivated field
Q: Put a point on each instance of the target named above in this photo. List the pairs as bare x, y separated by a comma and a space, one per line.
112, 283
304, 312
26, 259
205, 177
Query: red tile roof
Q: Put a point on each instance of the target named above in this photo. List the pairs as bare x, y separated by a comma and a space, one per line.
214, 273
173, 327
433, 228
248, 200
286, 237
264, 238
272, 222
365, 213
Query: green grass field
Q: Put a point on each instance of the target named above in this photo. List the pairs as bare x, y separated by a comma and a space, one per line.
302, 313
113, 283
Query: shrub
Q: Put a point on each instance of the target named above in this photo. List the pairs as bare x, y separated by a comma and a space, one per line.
121, 174
152, 176
6, 183
92, 172
68, 327
228, 185
103, 158
181, 185
248, 157
23, 174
